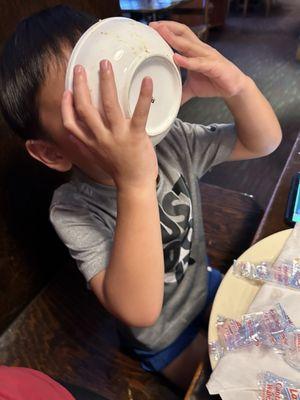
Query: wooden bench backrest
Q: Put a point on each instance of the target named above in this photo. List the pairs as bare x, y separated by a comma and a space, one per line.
30, 252
29, 249
230, 221
14, 10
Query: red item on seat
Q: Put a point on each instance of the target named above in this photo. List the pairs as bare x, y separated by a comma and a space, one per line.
18, 383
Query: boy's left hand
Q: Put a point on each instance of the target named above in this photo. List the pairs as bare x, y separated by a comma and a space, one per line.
209, 73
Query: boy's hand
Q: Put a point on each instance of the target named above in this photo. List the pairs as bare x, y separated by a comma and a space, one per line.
209, 73
119, 145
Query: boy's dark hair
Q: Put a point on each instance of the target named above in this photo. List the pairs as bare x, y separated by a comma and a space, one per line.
24, 61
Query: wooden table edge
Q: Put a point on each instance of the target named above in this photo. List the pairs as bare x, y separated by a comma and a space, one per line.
259, 232
258, 236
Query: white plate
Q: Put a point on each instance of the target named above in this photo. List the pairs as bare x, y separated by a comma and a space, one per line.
235, 295
135, 51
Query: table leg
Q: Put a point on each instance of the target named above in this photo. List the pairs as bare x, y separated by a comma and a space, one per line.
228, 6
246, 3
268, 7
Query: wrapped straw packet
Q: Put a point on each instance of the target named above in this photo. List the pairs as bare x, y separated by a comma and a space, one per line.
268, 328
273, 387
285, 274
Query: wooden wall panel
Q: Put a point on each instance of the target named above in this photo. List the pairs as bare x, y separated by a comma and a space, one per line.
12, 11
30, 252
230, 221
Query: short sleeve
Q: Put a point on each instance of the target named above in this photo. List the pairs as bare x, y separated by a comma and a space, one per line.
205, 146
88, 239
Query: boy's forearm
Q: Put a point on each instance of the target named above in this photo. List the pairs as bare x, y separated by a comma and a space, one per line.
257, 126
134, 280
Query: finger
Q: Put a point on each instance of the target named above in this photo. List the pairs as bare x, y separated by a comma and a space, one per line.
181, 43
177, 28
197, 64
73, 125
77, 135
83, 104
181, 30
69, 119
109, 95
142, 108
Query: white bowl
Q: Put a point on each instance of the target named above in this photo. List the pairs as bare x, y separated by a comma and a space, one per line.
135, 51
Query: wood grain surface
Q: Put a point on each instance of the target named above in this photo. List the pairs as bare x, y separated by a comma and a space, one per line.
13, 11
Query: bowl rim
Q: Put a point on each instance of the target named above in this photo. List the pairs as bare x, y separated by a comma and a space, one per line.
82, 40
168, 58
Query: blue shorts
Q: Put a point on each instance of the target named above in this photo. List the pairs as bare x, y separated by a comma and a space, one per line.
156, 361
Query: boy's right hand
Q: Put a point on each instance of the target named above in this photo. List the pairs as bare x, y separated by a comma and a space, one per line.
119, 145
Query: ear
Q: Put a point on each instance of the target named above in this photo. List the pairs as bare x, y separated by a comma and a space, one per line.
48, 154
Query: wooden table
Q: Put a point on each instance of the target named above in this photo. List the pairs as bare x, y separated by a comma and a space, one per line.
273, 219
272, 222
148, 7
298, 50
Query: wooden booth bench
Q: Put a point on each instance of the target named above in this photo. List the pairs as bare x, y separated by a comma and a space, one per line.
49, 320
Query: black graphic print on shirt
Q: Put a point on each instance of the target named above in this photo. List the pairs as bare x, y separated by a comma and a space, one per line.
177, 228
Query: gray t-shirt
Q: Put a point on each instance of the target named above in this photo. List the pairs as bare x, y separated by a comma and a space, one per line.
84, 212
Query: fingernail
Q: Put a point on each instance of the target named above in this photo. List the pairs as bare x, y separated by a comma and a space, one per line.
148, 81
105, 65
78, 69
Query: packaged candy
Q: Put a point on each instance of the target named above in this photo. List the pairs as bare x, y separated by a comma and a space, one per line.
292, 353
230, 333
216, 351
234, 334
268, 328
285, 273
255, 331
273, 387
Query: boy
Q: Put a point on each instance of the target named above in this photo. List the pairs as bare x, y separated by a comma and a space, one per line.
130, 214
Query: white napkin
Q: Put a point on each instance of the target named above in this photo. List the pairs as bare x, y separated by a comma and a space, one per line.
235, 376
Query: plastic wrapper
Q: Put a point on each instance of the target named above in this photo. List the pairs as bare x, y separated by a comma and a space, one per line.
269, 328
273, 387
285, 274
216, 351
292, 353
231, 334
